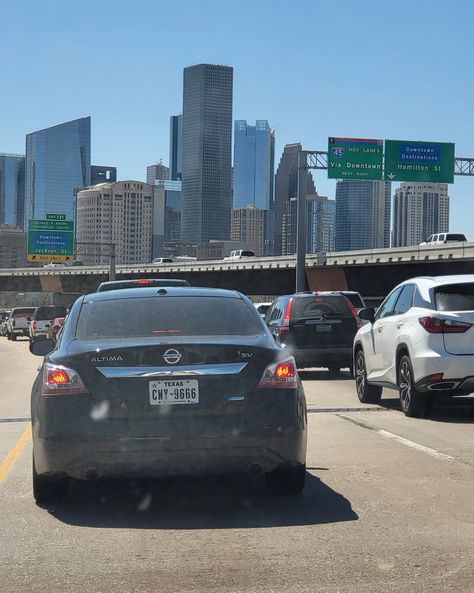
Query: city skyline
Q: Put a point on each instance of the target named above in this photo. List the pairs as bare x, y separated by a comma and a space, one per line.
324, 105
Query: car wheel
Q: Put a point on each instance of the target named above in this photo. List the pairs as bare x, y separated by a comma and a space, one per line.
47, 489
367, 393
414, 404
286, 480
13, 338
9, 336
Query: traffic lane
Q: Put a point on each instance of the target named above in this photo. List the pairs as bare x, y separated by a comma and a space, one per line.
448, 428
18, 370
376, 516
363, 524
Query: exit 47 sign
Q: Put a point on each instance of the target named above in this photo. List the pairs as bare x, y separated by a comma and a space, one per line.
419, 161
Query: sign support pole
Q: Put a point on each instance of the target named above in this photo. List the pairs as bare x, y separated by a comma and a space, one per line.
301, 222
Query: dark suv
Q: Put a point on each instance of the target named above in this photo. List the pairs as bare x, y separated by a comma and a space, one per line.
317, 328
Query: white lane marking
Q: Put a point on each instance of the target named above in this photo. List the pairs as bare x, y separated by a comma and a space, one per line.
414, 445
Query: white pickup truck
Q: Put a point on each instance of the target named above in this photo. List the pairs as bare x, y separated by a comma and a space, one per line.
17, 322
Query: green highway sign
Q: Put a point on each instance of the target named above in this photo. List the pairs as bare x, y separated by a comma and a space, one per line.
50, 240
355, 158
432, 162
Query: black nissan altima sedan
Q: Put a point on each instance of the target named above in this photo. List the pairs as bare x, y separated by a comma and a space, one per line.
156, 382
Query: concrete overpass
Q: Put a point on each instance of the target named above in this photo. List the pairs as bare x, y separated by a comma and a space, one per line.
371, 272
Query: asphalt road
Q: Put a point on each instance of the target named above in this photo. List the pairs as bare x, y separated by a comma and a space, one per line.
388, 507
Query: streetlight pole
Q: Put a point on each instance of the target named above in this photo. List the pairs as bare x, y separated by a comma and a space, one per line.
301, 222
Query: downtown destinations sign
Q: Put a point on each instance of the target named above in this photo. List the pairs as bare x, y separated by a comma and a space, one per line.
50, 240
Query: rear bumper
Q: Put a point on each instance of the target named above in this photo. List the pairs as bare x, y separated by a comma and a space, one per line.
306, 357
269, 432
159, 458
458, 372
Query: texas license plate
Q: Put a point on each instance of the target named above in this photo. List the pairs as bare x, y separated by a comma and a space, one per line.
323, 328
181, 391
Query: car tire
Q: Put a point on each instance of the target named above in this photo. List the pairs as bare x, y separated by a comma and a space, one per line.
48, 489
413, 403
9, 336
367, 393
286, 480
13, 338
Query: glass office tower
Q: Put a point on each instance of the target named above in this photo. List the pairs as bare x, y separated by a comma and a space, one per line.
58, 162
362, 214
12, 189
254, 157
207, 145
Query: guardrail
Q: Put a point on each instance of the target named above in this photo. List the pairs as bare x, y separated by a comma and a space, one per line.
338, 258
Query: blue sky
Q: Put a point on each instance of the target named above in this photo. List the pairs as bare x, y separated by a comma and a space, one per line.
354, 68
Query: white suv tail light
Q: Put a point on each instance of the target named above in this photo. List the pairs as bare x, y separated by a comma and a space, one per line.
283, 375
59, 380
435, 325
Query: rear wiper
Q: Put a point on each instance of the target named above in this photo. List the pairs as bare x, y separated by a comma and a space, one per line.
334, 314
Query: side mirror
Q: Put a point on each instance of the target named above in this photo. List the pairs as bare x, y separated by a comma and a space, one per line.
367, 314
42, 346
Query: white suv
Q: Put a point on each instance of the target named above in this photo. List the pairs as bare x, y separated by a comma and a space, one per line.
420, 342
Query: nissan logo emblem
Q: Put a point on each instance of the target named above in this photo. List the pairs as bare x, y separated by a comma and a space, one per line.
172, 356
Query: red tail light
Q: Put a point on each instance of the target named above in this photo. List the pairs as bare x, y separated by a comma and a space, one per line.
59, 380
34, 325
143, 281
435, 325
283, 375
284, 326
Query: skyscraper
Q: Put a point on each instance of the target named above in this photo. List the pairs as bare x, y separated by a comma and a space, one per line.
12, 189
155, 172
254, 161
248, 226
119, 213
286, 187
207, 146
419, 210
58, 162
176, 147
320, 223
362, 214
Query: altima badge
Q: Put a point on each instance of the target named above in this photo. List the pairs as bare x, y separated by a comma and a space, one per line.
172, 356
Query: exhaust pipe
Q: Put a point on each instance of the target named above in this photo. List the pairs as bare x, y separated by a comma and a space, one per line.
255, 468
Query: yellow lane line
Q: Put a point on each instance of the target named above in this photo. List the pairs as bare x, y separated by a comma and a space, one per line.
14, 453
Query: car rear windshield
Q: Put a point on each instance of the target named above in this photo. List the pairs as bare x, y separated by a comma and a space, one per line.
320, 306
455, 297
43, 313
356, 300
23, 312
166, 316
